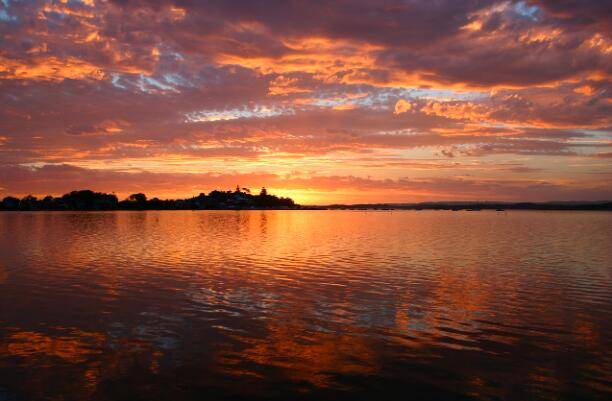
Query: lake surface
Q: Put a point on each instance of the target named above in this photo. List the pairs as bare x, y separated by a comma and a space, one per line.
191, 305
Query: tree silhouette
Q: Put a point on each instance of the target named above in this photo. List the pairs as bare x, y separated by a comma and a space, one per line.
241, 198
138, 198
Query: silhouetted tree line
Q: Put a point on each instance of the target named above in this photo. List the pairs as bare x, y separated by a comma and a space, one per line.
241, 198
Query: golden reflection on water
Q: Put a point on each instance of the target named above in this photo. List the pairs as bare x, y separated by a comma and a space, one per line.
75, 348
306, 358
314, 300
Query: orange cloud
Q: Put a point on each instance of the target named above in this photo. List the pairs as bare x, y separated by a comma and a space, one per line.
49, 69
326, 59
283, 85
457, 110
402, 106
586, 90
178, 90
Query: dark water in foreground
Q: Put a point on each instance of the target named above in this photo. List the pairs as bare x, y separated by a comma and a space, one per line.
189, 305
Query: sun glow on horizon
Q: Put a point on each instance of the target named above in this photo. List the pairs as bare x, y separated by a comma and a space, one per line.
428, 102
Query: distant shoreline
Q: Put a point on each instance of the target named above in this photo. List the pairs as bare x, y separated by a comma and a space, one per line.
604, 206
478, 206
243, 199
317, 208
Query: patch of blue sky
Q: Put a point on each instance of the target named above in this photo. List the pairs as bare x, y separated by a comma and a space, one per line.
597, 140
372, 100
332, 102
444, 94
150, 84
6, 17
593, 135
55, 15
236, 113
597, 134
385, 99
116, 81
526, 10
177, 80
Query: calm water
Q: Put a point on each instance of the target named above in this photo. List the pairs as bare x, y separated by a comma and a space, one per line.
305, 305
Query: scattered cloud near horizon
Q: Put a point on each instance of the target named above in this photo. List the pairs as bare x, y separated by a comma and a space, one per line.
347, 101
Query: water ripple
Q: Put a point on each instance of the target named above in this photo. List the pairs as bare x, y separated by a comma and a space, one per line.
321, 304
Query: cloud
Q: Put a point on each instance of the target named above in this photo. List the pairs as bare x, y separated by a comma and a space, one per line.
57, 179
178, 86
49, 68
402, 106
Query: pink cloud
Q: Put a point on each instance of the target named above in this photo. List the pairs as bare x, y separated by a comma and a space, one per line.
95, 83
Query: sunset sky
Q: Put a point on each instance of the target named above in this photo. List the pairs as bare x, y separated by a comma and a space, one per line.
346, 101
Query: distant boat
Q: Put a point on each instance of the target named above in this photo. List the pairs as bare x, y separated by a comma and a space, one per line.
499, 210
